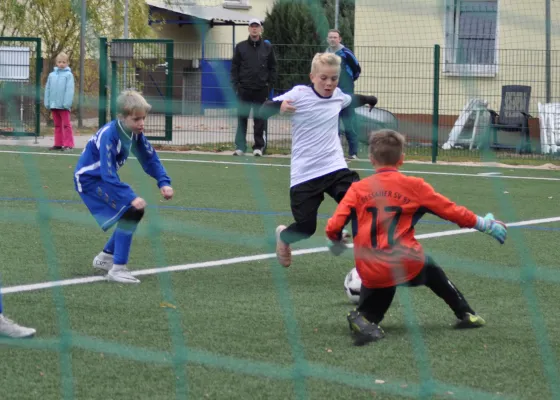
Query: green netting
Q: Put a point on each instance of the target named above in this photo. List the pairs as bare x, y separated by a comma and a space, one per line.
215, 315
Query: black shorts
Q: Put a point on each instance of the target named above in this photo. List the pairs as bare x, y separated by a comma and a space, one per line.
306, 197
374, 302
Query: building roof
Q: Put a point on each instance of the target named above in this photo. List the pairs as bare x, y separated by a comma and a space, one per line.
212, 14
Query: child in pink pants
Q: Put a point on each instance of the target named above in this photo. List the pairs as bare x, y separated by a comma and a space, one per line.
59, 94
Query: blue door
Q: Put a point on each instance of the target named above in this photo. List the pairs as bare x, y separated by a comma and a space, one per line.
216, 90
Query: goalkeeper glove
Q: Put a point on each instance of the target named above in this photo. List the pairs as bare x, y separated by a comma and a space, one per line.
489, 225
337, 247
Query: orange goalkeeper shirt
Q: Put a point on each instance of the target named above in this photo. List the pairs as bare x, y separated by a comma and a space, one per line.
386, 207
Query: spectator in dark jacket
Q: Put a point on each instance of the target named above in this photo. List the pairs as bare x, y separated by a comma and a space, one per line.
253, 72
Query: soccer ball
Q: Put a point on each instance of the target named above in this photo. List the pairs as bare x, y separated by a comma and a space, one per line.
352, 285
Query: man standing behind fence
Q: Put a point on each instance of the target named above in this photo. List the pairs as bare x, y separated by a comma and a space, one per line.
349, 71
253, 72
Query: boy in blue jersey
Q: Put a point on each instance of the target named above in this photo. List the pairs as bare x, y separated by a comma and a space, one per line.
111, 201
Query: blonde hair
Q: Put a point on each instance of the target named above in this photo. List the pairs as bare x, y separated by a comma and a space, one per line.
62, 57
130, 102
386, 146
324, 59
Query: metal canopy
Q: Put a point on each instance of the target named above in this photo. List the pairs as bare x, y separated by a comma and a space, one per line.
214, 15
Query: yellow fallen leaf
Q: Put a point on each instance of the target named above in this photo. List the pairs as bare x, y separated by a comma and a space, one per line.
167, 305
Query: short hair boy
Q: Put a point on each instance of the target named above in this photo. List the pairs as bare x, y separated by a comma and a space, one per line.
110, 200
386, 207
317, 164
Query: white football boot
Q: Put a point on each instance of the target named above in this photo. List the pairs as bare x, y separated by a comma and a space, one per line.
103, 261
283, 250
9, 328
119, 273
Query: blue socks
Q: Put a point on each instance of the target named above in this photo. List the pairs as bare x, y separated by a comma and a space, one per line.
110, 246
123, 240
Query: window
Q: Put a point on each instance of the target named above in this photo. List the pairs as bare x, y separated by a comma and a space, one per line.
471, 37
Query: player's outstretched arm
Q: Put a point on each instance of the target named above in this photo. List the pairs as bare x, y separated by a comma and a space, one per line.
166, 192
269, 109
151, 164
359, 100
444, 208
337, 247
283, 103
491, 226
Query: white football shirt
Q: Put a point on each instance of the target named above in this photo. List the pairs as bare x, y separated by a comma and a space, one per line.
316, 148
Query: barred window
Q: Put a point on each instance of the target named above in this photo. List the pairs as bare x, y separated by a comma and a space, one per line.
471, 37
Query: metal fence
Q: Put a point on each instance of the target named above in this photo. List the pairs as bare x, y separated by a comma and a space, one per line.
425, 91
145, 65
194, 104
515, 88
429, 93
442, 106
20, 86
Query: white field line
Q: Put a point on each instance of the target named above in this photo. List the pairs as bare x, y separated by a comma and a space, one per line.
236, 260
489, 173
481, 175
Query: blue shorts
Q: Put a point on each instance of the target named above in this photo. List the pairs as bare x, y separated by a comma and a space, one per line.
101, 203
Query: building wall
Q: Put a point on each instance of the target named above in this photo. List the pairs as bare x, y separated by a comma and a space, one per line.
396, 54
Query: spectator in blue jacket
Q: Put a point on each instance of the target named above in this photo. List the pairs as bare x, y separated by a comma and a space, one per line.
349, 71
59, 94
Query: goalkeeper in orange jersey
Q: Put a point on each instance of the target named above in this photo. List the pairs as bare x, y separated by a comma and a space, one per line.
386, 206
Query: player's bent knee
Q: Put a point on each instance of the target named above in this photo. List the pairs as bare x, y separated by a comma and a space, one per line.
133, 214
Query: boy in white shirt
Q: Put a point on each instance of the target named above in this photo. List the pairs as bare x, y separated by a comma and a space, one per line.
318, 165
